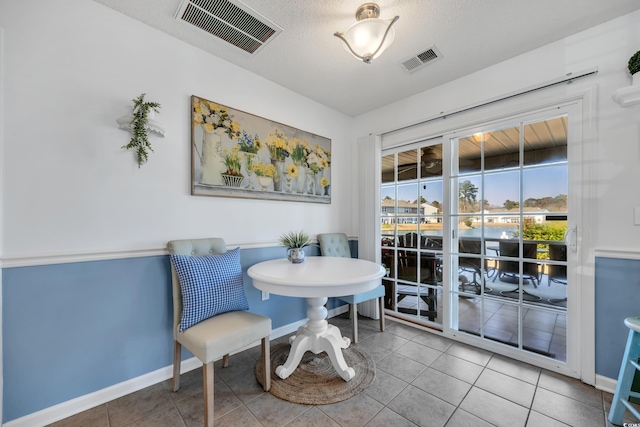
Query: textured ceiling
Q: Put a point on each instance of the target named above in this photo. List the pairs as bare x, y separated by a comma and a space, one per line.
308, 59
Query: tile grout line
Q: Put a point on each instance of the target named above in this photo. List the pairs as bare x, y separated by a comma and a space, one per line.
485, 366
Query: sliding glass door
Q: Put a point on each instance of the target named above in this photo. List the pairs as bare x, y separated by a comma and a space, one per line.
474, 231
509, 212
411, 231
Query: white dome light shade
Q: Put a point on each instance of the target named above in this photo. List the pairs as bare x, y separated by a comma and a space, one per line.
367, 38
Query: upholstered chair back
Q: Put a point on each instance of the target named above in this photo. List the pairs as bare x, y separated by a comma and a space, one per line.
218, 322
196, 247
334, 244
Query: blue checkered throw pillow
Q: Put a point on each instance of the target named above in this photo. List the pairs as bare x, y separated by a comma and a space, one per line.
210, 285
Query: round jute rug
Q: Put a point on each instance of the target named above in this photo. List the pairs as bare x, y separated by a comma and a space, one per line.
315, 381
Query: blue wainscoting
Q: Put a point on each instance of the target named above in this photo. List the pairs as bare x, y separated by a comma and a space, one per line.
617, 296
73, 329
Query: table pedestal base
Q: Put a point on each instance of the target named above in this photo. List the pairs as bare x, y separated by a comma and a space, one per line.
317, 336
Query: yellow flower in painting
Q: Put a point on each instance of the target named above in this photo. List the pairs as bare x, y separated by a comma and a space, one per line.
265, 170
298, 150
293, 143
277, 144
318, 159
232, 161
213, 116
258, 144
292, 170
324, 182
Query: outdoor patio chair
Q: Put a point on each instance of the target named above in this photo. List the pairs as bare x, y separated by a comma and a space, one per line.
472, 265
557, 273
530, 270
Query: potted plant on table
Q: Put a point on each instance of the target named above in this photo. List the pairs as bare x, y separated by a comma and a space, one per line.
295, 243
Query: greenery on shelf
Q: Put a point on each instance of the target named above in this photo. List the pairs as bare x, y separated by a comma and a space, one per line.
294, 239
634, 63
139, 128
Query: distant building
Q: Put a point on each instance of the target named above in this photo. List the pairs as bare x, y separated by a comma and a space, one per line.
510, 216
407, 212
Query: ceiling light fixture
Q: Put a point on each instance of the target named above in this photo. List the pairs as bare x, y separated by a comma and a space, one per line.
370, 36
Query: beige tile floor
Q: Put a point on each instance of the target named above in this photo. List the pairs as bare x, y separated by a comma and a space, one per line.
421, 379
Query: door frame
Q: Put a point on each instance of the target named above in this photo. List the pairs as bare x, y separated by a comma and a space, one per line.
573, 111
582, 163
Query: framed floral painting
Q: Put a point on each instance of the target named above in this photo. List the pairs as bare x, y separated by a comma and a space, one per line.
238, 154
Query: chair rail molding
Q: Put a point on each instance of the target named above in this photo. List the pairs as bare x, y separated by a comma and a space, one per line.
9, 261
633, 254
70, 257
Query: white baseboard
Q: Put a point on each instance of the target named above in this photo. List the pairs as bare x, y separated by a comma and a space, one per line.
91, 400
606, 384
80, 404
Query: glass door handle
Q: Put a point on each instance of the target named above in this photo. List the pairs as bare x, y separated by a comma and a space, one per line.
571, 238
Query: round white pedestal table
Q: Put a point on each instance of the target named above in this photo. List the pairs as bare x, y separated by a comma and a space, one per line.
316, 279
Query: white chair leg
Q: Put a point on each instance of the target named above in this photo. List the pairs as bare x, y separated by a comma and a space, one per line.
177, 353
381, 302
354, 316
207, 391
266, 363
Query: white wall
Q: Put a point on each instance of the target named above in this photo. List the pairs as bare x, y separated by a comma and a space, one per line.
617, 130
70, 69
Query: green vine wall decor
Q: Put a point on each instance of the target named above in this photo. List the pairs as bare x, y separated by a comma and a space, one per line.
634, 63
140, 128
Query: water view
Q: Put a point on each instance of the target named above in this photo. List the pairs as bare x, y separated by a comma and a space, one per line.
490, 233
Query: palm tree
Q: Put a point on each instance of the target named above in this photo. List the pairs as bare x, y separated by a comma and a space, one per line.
467, 194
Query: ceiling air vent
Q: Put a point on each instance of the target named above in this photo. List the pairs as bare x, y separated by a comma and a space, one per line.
418, 61
231, 21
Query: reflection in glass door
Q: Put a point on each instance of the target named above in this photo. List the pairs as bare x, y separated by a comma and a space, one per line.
411, 231
509, 198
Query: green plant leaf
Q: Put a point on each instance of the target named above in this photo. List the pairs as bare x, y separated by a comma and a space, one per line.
140, 133
634, 63
294, 239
